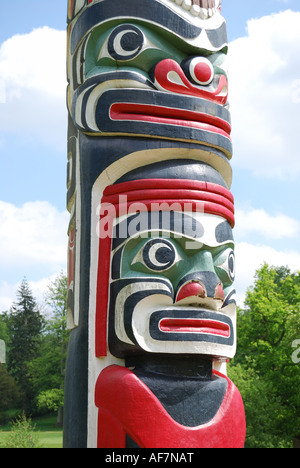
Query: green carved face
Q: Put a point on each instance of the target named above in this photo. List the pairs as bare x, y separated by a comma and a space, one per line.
135, 47
175, 258
172, 292
134, 68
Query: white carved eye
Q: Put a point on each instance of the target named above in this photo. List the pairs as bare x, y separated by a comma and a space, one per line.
125, 42
158, 255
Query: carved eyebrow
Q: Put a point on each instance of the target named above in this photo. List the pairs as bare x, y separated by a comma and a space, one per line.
224, 232
105, 11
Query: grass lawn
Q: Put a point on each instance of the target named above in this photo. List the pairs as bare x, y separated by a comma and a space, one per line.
51, 439
49, 435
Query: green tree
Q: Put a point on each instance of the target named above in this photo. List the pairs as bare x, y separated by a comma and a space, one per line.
48, 369
25, 325
263, 367
10, 394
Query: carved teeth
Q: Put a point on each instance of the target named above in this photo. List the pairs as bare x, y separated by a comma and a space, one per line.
196, 9
187, 4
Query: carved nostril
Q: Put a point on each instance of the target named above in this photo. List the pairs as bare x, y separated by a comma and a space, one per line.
192, 289
219, 293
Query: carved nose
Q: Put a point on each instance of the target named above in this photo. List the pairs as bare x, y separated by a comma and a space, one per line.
196, 290
192, 289
219, 293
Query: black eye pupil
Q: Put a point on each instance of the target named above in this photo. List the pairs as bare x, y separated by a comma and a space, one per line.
165, 255
159, 254
231, 265
125, 42
129, 41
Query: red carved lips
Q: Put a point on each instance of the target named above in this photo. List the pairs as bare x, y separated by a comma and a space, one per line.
212, 327
171, 116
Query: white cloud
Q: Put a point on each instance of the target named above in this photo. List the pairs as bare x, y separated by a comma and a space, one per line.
33, 238
34, 234
259, 221
33, 85
250, 256
264, 95
34, 61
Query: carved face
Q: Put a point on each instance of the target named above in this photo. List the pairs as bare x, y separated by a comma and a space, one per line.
171, 285
134, 70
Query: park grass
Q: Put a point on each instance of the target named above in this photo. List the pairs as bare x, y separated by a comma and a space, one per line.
51, 439
49, 435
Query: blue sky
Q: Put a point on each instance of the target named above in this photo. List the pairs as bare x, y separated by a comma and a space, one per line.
264, 68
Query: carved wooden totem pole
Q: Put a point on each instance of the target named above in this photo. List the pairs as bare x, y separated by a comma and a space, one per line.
151, 252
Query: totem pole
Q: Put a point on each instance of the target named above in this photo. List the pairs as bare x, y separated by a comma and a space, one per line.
151, 302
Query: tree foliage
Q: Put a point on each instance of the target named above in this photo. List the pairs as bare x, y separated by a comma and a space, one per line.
36, 349
25, 325
10, 394
48, 369
263, 368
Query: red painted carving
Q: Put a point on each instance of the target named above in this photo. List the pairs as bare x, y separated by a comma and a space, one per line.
127, 406
170, 77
